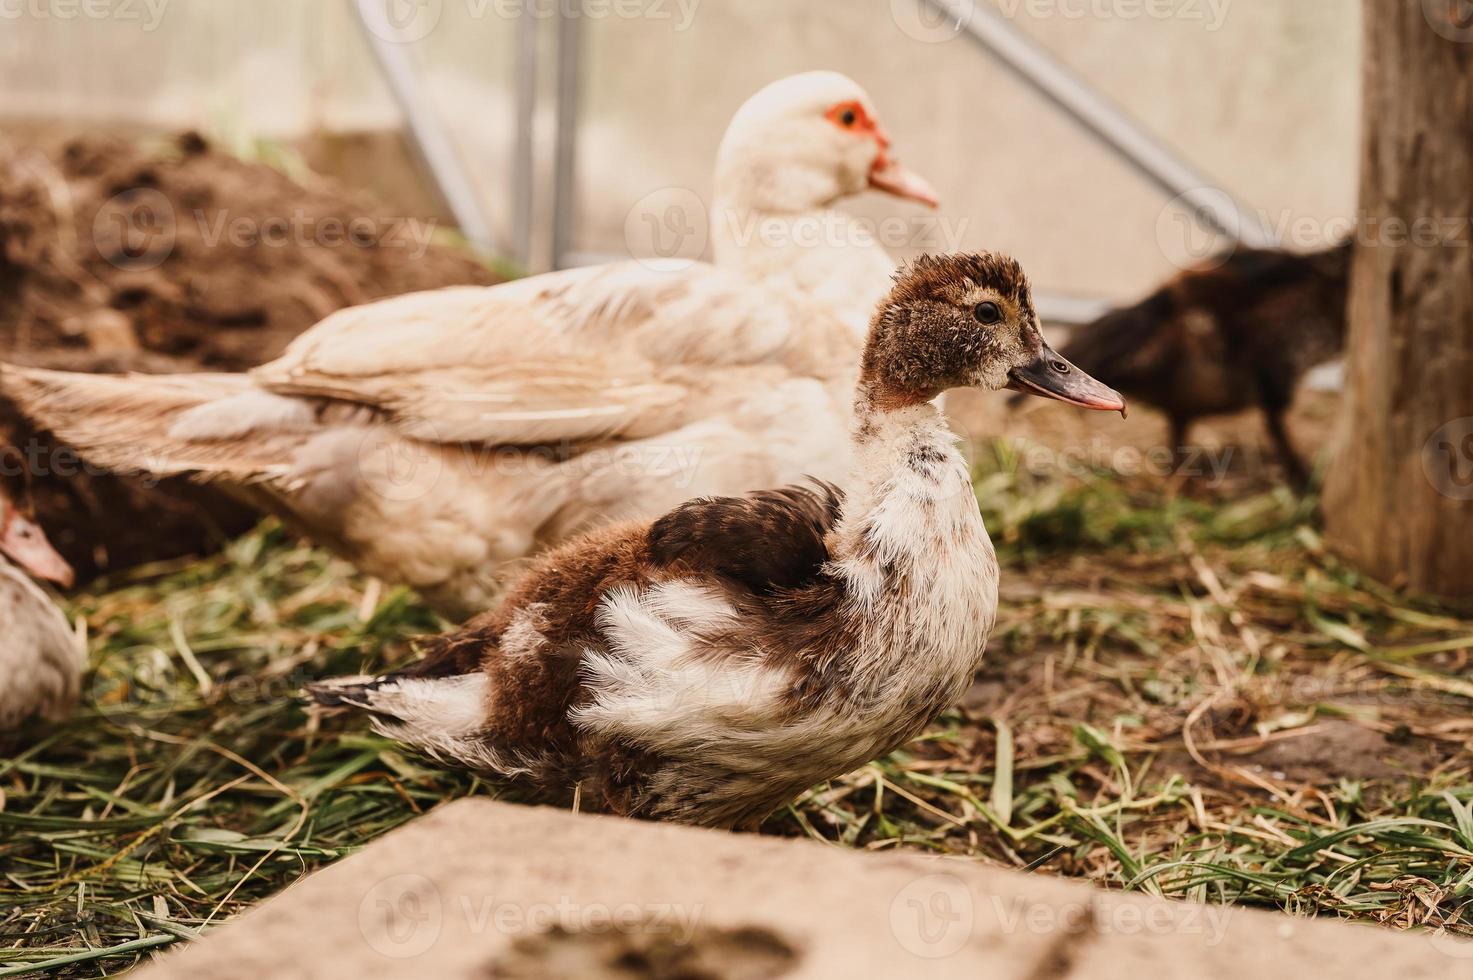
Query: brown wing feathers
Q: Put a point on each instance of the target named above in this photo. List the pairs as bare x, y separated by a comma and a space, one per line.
768, 541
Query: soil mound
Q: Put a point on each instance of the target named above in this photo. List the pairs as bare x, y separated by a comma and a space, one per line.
115, 256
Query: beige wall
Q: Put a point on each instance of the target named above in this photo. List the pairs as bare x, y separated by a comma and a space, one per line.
1264, 101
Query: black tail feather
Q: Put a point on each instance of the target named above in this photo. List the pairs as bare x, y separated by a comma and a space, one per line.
345, 692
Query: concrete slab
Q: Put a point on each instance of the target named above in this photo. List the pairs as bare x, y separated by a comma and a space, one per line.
483, 889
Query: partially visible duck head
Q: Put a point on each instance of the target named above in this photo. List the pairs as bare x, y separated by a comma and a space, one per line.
806, 141
967, 321
22, 540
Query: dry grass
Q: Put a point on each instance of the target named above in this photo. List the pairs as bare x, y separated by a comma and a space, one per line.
1186, 695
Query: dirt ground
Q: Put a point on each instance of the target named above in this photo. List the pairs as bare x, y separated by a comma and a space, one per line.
1230, 458
168, 255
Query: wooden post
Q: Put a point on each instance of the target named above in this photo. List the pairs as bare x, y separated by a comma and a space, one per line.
1399, 496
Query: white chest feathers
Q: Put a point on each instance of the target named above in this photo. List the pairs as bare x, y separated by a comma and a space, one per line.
916, 597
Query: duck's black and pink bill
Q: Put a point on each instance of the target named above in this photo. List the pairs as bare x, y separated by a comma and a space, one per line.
1049, 375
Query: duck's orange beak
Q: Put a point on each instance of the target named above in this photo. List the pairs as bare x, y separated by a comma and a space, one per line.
1050, 376
24, 542
892, 177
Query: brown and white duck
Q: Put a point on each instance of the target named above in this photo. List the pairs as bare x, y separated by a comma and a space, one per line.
710, 666
41, 659
434, 437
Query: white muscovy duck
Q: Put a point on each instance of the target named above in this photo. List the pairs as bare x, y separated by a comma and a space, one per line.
711, 665
779, 172
41, 659
434, 437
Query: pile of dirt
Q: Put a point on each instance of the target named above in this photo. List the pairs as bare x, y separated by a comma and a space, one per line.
174, 257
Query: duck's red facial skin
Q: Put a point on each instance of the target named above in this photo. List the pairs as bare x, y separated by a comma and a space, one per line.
886, 175
852, 117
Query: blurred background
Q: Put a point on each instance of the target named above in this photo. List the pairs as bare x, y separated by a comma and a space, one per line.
1261, 98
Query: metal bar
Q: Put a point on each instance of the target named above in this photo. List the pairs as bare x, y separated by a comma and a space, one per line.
1208, 202
569, 82
524, 162
426, 132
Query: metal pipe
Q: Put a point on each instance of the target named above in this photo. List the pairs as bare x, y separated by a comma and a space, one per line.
1209, 203
524, 162
569, 82
426, 132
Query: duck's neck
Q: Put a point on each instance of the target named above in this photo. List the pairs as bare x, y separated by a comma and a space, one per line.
820, 251
917, 569
909, 513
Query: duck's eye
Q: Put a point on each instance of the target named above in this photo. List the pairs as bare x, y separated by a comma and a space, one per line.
848, 118
988, 313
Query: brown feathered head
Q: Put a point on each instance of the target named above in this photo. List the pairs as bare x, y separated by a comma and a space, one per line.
967, 320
